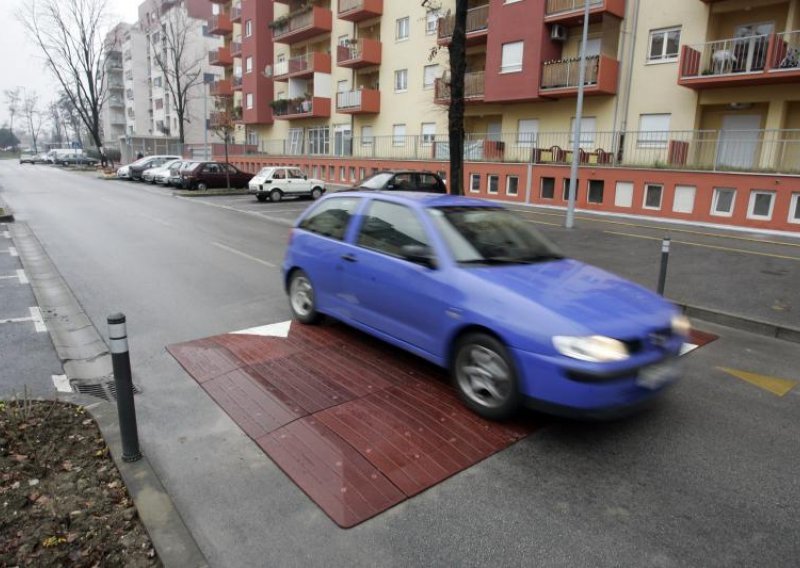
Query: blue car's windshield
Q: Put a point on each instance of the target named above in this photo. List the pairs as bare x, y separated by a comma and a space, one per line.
491, 235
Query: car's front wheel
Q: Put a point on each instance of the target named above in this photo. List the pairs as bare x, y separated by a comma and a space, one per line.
485, 377
316, 193
202, 186
275, 195
302, 299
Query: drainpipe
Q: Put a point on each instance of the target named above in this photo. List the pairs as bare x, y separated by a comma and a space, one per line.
631, 55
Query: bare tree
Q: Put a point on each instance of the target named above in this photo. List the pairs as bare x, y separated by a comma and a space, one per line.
54, 115
13, 101
70, 35
455, 111
70, 118
33, 117
179, 59
223, 124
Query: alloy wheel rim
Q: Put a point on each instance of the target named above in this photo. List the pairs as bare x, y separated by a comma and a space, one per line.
483, 376
302, 296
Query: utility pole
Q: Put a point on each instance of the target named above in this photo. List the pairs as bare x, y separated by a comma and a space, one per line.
576, 131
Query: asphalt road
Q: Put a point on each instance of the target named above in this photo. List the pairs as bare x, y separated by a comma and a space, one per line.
705, 478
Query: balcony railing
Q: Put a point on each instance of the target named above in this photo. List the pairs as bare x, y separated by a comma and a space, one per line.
570, 12
358, 10
474, 87
236, 49
477, 21
236, 14
358, 101
220, 56
220, 24
221, 88
562, 77
751, 60
557, 6
362, 53
302, 65
236, 82
302, 25
301, 107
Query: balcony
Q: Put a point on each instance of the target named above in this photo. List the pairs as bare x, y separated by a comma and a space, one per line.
474, 83
116, 86
222, 88
302, 25
223, 2
570, 12
561, 78
291, 109
362, 101
220, 56
116, 102
220, 25
363, 53
236, 14
755, 60
477, 26
358, 10
303, 66
236, 82
236, 49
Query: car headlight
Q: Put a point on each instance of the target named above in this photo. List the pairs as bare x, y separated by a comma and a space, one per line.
595, 348
681, 325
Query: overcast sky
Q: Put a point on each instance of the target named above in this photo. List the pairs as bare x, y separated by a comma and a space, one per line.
21, 64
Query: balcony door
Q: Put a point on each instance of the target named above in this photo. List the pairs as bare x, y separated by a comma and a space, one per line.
750, 47
342, 140
738, 141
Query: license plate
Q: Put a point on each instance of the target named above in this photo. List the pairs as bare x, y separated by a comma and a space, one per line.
658, 375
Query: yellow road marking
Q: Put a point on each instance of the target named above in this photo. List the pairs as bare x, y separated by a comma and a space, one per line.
717, 247
543, 223
774, 385
668, 229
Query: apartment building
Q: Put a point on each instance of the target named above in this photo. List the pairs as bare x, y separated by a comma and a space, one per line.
113, 111
135, 79
692, 107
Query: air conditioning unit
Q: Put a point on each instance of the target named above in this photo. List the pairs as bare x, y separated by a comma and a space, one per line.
558, 32
268, 71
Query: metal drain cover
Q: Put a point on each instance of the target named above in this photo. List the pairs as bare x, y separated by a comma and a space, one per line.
105, 389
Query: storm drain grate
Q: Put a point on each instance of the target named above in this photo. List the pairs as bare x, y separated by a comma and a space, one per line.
106, 390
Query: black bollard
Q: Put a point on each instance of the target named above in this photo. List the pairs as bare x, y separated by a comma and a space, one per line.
118, 340
662, 276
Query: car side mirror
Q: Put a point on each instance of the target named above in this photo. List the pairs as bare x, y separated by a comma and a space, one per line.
419, 254
305, 177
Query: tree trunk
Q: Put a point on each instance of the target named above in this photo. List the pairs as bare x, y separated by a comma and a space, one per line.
455, 113
227, 173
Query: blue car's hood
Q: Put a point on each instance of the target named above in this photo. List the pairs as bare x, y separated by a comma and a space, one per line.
577, 296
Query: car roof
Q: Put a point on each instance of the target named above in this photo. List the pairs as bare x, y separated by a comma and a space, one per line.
421, 198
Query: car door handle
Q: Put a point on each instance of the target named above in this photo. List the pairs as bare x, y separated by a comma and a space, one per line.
349, 257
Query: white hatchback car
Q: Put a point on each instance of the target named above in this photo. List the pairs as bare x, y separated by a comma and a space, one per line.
275, 182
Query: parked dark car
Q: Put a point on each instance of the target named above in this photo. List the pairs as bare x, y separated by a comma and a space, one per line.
78, 160
427, 182
31, 158
205, 175
136, 169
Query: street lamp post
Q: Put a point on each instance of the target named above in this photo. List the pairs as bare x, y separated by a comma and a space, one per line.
576, 130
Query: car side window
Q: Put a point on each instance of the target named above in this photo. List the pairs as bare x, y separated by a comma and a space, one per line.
403, 182
230, 169
331, 217
278, 174
388, 227
295, 174
428, 182
212, 168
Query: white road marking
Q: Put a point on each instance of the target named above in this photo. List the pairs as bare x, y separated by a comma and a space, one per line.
36, 318
280, 329
23, 279
62, 383
277, 220
6, 235
244, 254
12, 251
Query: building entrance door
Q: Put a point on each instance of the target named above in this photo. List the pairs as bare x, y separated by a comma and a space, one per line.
738, 140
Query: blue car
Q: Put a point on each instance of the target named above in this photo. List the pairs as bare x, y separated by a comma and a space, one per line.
474, 288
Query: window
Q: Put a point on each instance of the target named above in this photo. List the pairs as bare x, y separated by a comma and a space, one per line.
527, 131
341, 86
159, 104
723, 201
248, 65
362, 173
431, 22
366, 136
343, 40
794, 209
761, 203
588, 131
683, 201
429, 75
428, 133
401, 29
249, 100
388, 227
623, 197
400, 80
353, 173
664, 45
157, 82
512, 186
342, 173
330, 218
595, 191
429, 182
331, 173
492, 182
319, 140
511, 60
548, 188
475, 183
294, 173
398, 135
653, 130
248, 28
566, 189
652, 196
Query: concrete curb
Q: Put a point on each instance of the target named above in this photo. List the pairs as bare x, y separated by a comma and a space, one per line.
6, 215
188, 193
740, 322
85, 355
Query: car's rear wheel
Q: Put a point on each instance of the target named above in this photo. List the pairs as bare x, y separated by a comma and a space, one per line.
261, 197
302, 299
316, 193
275, 195
485, 377
202, 186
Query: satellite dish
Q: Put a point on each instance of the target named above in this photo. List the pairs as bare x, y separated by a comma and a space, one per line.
268, 71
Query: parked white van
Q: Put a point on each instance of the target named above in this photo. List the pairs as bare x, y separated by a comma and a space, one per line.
60, 155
